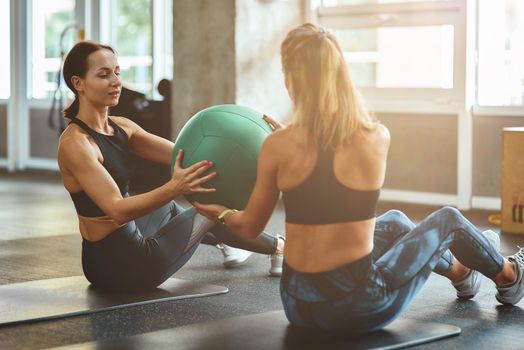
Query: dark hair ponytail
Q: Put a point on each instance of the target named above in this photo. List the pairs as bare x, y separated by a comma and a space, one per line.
72, 110
75, 64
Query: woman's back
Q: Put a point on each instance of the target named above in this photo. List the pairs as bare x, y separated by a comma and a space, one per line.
359, 168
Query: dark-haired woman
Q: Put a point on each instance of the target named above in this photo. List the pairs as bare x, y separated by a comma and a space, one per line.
129, 242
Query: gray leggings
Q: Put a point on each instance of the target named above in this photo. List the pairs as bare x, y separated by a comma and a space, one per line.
148, 225
145, 252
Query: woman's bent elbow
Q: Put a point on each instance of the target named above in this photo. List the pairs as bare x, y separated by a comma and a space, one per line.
245, 231
251, 233
119, 218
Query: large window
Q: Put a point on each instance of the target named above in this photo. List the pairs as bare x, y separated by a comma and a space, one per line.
45, 31
5, 61
408, 57
141, 31
383, 52
501, 53
52, 31
144, 45
131, 35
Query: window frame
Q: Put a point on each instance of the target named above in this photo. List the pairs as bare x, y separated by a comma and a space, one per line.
413, 14
384, 99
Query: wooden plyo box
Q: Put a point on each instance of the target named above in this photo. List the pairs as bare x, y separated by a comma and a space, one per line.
512, 180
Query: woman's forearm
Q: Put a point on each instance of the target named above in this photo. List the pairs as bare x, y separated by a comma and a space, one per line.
133, 207
237, 223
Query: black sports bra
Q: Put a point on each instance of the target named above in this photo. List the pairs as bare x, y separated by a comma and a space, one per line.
118, 161
322, 199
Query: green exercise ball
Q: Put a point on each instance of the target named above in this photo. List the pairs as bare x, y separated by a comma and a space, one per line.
231, 136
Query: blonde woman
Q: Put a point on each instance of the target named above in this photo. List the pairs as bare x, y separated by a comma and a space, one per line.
344, 269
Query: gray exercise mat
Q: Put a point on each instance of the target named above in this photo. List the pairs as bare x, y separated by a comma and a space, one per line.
271, 330
71, 296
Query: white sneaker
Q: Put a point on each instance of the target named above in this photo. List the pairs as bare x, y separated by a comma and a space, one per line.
512, 293
233, 256
277, 260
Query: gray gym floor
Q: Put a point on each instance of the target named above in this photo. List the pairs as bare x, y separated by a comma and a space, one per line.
39, 240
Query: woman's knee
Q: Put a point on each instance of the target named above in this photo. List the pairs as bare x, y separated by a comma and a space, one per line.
395, 215
449, 213
176, 208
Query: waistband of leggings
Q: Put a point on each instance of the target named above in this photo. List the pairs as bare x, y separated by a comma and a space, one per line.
122, 233
328, 285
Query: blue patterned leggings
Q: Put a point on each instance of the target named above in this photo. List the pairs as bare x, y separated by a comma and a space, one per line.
371, 292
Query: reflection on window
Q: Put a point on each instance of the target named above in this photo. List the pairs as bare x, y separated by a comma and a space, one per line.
399, 57
131, 29
501, 53
50, 20
5, 61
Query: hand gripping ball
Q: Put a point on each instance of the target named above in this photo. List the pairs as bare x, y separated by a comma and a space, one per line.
231, 136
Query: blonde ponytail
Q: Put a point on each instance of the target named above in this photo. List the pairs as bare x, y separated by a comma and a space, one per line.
325, 101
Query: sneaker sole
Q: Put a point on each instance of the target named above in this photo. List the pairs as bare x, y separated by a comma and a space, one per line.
234, 263
473, 292
509, 303
466, 297
275, 273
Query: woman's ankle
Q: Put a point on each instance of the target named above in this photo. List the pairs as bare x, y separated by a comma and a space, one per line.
457, 272
508, 275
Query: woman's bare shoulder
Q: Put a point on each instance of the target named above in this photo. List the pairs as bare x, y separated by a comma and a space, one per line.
73, 141
72, 135
378, 133
378, 136
382, 132
276, 138
287, 141
120, 120
129, 126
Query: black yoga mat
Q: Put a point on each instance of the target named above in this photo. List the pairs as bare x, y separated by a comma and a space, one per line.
71, 296
271, 330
